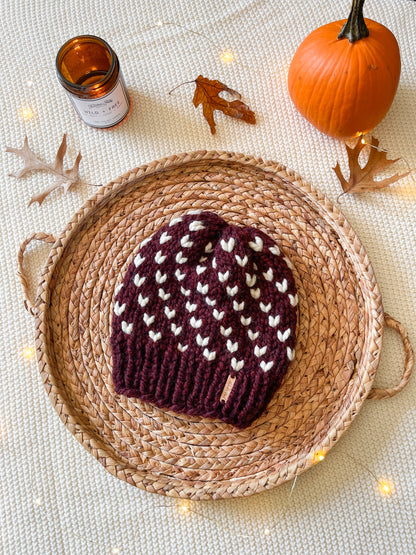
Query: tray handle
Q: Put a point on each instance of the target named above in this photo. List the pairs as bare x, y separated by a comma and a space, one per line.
45, 238
378, 393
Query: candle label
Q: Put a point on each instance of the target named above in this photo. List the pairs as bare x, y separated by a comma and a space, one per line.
105, 111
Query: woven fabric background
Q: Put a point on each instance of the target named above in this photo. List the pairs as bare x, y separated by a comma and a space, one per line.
334, 507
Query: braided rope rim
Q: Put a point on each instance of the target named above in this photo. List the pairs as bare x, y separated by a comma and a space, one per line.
257, 481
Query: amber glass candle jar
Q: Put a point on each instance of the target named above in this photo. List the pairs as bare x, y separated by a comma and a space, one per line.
89, 70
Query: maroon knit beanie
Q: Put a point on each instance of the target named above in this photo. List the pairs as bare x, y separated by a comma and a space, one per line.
204, 320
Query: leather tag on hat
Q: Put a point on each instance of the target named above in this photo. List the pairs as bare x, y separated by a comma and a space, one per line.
204, 320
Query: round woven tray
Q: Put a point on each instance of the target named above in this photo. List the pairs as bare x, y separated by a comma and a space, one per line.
338, 340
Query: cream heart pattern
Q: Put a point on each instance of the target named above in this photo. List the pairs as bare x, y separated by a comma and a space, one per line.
200, 269
253, 335
209, 355
163, 295
290, 353
139, 280
164, 238
223, 276
174, 221
228, 246
226, 332
265, 307
232, 291
160, 278
138, 260
145, 241
119, 308
170, 313
268, 275
251, 280
148, 319
127, 328
257, 244
283, 336
185, 242
155, 336
266, 366
237, 365
293, 299
202, 341
238, 307
232, 347
180, 259
160, 258
196, 226
255, 293
175, 329
203, 289
218, 315
241, 261
274, 321
282, 286
195, 323
259, 351
142, 300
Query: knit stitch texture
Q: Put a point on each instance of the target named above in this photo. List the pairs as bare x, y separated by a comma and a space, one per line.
204, 302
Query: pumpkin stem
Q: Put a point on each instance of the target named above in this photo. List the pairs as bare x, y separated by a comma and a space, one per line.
355, 27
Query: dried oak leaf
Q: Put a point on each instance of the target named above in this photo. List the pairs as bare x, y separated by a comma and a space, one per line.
64, 177
362, 178
207, 93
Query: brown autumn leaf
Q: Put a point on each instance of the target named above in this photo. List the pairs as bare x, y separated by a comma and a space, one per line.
362, 178
207, 93
64, 177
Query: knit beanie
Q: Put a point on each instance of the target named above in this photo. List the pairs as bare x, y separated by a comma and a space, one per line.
204, 320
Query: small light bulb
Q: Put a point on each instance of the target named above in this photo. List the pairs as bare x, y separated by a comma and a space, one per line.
267, 532
318, 456
29, 83
115, 550
26, 113
227, 57
362, 141
159, 23
38, 502
184, 506
385, 487
28, 352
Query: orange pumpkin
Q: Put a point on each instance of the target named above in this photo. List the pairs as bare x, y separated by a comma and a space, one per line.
344, 75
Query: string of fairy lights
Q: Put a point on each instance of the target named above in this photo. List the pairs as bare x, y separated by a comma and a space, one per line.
183, 507
27, 112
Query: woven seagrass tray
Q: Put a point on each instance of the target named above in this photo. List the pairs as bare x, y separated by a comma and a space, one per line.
339, 335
